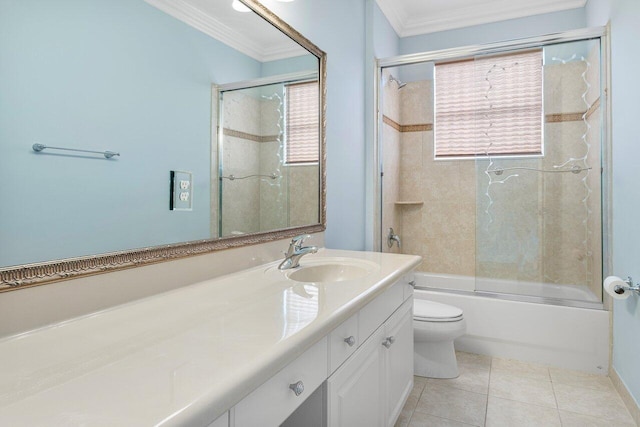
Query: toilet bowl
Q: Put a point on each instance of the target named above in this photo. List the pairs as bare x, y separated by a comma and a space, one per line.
435, 326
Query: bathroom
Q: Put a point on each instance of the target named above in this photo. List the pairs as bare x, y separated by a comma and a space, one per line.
352, 33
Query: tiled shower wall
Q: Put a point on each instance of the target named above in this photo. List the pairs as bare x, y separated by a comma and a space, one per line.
539, 227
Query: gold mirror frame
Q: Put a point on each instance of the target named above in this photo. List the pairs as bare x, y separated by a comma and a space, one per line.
35, 274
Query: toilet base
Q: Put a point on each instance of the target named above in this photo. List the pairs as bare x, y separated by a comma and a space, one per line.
435, 360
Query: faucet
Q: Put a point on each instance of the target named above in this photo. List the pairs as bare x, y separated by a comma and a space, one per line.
392, 237
296, 251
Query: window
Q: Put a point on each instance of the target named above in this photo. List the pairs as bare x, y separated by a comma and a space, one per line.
303, 136
489, 106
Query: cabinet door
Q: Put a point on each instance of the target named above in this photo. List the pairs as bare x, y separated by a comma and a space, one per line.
398, 364
355, 391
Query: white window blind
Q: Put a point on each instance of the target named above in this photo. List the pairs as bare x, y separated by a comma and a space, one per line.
489, 106
303, 136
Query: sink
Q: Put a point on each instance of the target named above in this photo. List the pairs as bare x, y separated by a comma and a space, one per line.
332, 271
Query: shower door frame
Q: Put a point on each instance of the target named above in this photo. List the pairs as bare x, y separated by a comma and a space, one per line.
466, 52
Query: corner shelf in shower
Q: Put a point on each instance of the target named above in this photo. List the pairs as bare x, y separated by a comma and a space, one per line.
409, 203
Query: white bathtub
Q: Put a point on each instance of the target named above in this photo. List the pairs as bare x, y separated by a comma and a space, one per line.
565, 337
549, 291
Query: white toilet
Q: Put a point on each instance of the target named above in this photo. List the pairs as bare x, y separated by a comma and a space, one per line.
435, 326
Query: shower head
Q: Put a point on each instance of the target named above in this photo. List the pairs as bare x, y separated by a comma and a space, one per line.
398, 82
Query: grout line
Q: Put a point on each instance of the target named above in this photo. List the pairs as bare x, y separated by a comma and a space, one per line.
486, 409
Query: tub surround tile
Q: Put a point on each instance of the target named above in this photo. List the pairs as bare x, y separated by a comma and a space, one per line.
507, 413
453, 404
604, 404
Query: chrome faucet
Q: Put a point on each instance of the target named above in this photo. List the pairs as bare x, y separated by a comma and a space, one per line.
393, 237
296, 251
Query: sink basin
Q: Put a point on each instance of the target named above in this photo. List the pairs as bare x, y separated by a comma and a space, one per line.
332, 271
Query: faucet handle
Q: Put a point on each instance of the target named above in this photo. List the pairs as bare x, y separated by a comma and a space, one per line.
299, 240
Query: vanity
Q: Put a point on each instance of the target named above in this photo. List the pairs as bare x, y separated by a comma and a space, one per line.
254, 348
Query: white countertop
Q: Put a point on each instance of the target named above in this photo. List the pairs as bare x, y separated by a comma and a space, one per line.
183, 357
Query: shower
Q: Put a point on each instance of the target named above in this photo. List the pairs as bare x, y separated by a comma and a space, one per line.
490, 170
398, 82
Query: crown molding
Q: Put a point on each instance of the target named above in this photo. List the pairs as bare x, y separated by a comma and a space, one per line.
406, 24
194, 17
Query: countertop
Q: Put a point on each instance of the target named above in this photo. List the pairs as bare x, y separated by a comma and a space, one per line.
182, 357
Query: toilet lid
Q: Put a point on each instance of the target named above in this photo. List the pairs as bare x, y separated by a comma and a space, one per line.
435, 312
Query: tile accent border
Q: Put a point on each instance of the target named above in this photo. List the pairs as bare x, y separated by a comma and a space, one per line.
422, 127
628, 400
249, 136
573, 117
563, 117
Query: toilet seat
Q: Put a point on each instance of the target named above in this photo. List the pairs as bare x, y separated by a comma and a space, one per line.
430, 311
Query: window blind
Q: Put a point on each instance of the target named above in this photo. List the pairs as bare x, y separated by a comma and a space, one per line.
303, 136
489, 106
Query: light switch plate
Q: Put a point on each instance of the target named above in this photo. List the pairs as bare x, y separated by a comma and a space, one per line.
181, 191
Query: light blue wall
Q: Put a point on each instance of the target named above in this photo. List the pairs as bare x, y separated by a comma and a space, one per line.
338, 28
289, 65
496, 31
105, 74
381, 42
625, 62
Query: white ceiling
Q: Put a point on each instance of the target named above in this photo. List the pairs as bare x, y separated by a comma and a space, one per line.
413, 17
245, 32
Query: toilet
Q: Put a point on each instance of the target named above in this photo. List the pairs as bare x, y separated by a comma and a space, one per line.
435, 326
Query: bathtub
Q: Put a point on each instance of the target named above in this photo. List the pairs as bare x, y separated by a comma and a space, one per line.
555, 335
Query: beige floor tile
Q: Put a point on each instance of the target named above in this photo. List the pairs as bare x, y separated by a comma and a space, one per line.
508, 413
580, 379
426, 420
473, 378
471, 359
521, 369
604, 404
570, 419
454, 404
521, 389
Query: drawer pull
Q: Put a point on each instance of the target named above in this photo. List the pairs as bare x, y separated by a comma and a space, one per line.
388, 341
350, 341
297, 388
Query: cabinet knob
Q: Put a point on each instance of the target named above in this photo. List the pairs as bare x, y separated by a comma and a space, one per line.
297, 388
412, 283
388, 341
350, 340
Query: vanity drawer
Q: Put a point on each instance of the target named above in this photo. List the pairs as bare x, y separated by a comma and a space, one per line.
377, 311
343, 341
272, 402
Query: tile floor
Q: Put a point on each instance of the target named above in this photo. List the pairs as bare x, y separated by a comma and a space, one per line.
499, 392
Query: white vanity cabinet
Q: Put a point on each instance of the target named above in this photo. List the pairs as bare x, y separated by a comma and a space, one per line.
371, 387
367, 362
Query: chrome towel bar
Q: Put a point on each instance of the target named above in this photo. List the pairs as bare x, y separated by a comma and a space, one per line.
39, 147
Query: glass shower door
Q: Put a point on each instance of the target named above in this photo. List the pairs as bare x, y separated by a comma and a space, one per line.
538, 210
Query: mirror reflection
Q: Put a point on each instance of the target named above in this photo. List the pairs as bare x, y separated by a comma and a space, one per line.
134, 77
269, 175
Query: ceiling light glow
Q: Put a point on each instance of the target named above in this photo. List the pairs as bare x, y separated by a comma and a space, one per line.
236, 5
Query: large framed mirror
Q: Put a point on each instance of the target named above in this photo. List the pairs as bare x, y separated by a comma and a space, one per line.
141, 131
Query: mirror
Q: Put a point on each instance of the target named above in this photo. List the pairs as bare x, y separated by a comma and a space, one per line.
117, 152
